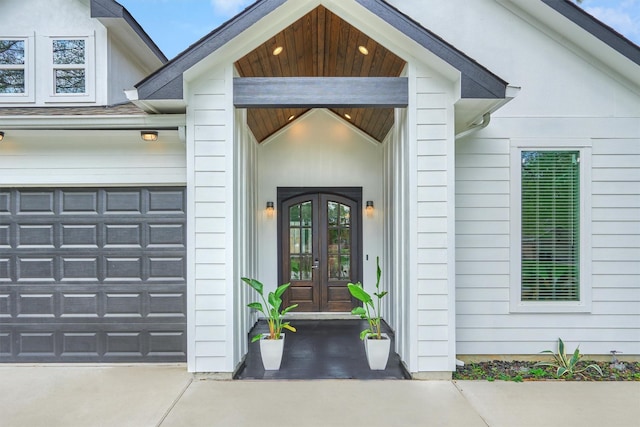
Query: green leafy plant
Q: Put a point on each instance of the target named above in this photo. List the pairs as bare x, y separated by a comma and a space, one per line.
565, 364
271, 309
538, 373
369, 310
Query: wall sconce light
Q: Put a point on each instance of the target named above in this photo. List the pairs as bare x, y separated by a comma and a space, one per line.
149, 135
270, 209
1, 136
369, 205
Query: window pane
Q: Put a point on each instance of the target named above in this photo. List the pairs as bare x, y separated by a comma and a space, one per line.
70, 81
68, 52
12, 81
550, 226
11, 52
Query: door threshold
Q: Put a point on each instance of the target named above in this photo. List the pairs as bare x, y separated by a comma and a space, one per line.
321, 316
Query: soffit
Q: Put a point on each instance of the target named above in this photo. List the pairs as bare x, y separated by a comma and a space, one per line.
320, 44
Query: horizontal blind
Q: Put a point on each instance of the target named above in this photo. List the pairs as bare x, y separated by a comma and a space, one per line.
550, 226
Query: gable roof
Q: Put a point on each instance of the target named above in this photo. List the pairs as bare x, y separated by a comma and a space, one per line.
167, 82
102, 9
597, 28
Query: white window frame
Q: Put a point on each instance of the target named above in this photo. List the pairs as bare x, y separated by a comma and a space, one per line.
516, 303
89, 71
29, 72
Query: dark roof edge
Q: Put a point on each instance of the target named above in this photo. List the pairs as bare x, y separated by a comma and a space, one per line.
477, 80
597, 28
113, 9
149, 87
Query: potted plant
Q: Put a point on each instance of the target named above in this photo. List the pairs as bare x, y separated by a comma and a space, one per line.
272, 343
376, 343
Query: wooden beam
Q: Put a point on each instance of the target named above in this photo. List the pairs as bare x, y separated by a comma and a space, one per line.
320, 92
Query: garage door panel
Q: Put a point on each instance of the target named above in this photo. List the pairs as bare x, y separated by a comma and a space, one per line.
79, 202
95, 275
35, 202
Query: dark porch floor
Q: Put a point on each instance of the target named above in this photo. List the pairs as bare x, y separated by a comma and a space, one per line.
321, 349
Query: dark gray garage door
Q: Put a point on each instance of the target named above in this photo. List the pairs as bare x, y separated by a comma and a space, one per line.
92, 275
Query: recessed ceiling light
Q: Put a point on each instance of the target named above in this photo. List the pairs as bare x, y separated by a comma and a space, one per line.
363, 50
277, 51
292, 117
347, 116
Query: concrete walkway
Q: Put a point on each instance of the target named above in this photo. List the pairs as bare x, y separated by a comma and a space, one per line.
168, 396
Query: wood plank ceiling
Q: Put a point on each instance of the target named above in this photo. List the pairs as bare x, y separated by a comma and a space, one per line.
320, 44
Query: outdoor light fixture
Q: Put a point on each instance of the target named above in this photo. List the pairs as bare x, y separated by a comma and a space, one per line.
270, 209
149, 135
277, 51
363, 50
292, 117
1, 136
369, 208
347, 116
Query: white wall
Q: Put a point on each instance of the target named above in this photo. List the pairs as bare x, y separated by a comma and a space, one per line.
43, 19
90, 158
433, 229
567, 95
319, 150
210, 223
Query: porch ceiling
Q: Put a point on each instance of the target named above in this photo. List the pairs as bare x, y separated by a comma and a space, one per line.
320, 44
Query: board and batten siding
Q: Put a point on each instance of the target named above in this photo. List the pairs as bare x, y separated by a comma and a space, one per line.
484, 322
434, 233
90, 158
210, 222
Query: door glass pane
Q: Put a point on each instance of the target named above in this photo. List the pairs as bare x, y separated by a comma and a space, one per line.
294, 267
339, 241
300, 242
305, 267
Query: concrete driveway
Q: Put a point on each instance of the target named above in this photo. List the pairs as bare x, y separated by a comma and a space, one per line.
168, 396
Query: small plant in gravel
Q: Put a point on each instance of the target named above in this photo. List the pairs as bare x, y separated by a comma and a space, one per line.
538, 373
566, 365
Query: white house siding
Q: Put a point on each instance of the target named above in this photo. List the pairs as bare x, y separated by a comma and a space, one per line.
567, 95
485, 324
90, 158
246, 230
434, 227
210, 222
124, 68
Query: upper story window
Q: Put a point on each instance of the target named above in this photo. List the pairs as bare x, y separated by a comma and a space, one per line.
16, 63
69, 66
12, 66
550, 230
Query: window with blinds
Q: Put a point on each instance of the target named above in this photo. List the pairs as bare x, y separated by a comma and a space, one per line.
550, 244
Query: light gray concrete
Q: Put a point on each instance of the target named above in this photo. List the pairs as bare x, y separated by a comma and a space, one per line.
168, 396
554, 403
83, 396
326, 403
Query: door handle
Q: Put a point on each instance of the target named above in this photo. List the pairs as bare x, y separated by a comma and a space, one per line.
316, 265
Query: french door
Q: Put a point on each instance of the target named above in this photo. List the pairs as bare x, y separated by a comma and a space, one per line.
320, 250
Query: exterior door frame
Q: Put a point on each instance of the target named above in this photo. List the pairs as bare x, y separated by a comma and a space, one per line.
353, 193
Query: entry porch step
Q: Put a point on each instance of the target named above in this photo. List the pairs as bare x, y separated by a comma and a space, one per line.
321, 349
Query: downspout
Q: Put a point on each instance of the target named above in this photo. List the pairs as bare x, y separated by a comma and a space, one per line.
486, 119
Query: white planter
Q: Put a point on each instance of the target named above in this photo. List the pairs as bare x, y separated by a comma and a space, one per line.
271, 352
377, 352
